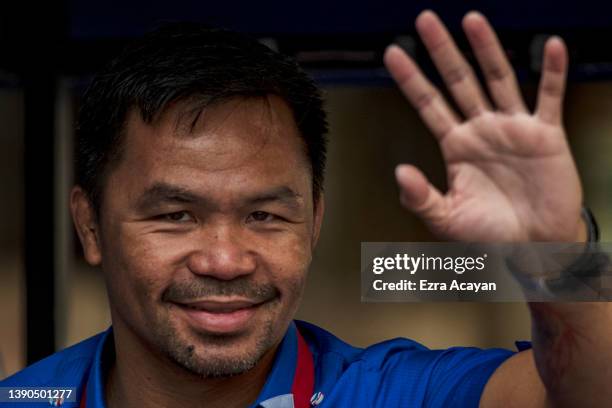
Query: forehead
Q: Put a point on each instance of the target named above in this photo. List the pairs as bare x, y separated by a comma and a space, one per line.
249, 141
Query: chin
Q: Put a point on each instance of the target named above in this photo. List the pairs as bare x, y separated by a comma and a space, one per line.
217, 355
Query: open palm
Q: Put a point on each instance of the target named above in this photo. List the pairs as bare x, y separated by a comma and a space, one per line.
511, 175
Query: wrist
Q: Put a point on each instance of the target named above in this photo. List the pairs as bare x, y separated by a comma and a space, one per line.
588, 267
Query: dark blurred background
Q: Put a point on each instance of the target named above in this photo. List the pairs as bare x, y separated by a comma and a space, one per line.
48, 52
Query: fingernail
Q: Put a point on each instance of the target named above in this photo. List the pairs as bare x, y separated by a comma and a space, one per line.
400, 172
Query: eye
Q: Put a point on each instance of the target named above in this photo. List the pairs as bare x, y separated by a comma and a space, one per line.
260, 216
179, 216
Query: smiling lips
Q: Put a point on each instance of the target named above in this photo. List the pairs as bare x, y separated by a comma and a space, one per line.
220, 316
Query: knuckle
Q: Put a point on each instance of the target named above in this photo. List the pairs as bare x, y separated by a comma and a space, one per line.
497, 72
456, 74
551, 88
424, 99
472, 109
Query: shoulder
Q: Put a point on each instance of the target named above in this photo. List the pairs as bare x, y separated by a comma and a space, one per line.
66, 367
401, 371
325, 345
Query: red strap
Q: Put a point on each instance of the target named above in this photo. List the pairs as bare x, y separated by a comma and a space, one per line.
84, 397
303, 381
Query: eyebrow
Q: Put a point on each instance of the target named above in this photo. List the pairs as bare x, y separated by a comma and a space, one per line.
161, 193
283, 194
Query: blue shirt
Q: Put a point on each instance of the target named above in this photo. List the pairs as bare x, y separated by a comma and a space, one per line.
394, 373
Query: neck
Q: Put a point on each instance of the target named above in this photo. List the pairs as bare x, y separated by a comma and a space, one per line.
141, 377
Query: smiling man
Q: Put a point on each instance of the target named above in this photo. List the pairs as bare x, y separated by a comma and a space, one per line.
200, 170
211, 239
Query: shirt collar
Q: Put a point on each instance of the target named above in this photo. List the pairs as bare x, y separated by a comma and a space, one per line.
280, 380
276, 392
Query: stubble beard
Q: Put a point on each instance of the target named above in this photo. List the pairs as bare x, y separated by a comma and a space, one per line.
212, 356
217, 356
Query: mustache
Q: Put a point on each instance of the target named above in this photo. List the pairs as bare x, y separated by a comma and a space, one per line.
206, 286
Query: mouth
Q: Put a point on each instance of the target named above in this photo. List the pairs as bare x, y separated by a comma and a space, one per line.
220, 316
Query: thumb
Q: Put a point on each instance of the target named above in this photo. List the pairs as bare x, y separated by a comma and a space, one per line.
418, 195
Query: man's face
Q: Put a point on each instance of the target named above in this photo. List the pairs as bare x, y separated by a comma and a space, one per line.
206, 235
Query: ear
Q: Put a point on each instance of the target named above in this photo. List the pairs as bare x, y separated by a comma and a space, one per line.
86, 224
319, 210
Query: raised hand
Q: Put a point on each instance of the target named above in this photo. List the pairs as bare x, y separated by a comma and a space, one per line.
510, 172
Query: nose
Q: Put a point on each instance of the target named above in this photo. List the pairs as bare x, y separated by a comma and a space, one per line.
222, 253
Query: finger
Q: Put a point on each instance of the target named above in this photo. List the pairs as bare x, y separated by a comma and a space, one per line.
425, 98
419, 196
549, 107
454, 69
498, 72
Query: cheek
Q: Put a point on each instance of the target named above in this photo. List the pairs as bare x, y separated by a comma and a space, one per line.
287, 261
139, 266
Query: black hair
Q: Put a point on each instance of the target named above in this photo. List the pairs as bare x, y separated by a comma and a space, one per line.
197, 64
